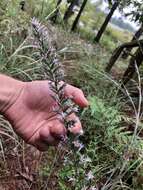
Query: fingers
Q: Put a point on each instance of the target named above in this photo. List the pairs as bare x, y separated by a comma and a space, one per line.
77, 95
42, 139
57, 129
54, 132
49, 135
77, 128
46, 137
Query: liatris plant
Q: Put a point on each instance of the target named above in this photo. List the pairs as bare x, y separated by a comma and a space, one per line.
55, 74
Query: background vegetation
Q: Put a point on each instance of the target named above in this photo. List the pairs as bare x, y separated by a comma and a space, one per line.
113, 147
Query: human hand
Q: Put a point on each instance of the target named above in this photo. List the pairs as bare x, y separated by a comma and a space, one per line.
32, 117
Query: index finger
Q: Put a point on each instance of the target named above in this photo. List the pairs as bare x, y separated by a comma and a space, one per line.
77, 95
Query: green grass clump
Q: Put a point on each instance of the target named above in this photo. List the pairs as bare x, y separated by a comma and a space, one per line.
108, 161
111, 157
119, 35
108, 43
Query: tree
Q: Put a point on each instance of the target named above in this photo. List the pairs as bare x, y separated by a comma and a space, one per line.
108, 18
70, 10
135, 37
22, 4
136, 60
117, 52
136, 15
56, 13
114, 4
74, 26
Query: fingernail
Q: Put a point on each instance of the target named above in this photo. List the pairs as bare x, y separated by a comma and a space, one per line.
81, 132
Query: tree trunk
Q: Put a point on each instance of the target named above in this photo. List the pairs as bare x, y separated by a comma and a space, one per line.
22, 4
56, 13
135, 37
74, 26
69, 12
118, 52
137, 59
107, 20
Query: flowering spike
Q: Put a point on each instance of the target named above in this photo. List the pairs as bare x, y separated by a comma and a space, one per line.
52, 65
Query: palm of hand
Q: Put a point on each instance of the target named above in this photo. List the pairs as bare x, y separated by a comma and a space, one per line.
33, 118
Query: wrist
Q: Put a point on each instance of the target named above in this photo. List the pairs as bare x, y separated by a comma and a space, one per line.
10, 89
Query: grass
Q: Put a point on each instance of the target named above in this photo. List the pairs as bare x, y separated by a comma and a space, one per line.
108, 143
112, 154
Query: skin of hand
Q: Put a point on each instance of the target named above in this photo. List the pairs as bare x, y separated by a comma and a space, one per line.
31, 114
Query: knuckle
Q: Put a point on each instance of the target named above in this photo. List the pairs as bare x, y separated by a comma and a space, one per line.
80, 91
